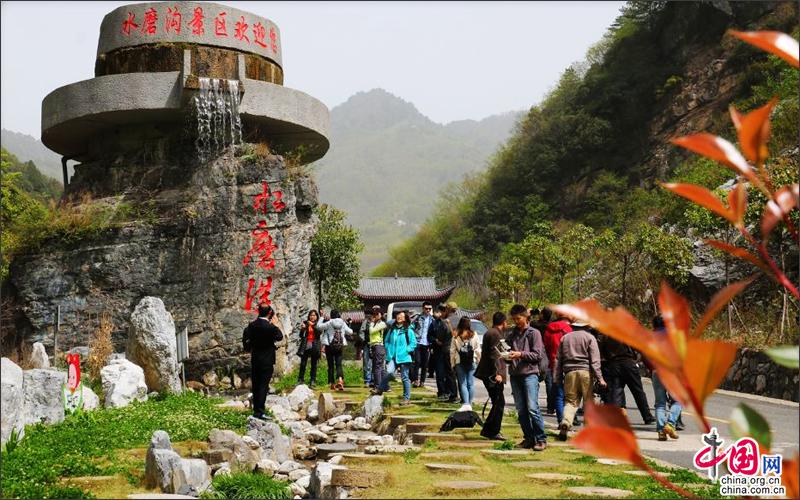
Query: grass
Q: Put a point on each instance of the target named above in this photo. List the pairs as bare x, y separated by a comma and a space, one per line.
247, 485
353, 376
106, 442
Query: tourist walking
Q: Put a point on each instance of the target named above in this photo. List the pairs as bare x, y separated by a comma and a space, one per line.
376, 329
440, 333
308, 348
576, 367
400, 343
465, 354
527, 354
363, 345
493, 371
666, 422
422, 325
259, 338
553, 333
334, 333
623, 370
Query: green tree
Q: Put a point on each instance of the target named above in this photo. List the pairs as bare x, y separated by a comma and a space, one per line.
506, 281
335, 268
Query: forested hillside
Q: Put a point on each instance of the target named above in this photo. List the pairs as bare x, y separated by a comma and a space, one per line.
28, 148
388, 161
570, 206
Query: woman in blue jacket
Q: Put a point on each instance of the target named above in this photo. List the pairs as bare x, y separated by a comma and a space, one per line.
400, 343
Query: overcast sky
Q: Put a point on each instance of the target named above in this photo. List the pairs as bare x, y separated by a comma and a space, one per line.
453, 60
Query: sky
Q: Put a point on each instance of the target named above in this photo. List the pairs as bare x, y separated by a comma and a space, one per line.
453, 60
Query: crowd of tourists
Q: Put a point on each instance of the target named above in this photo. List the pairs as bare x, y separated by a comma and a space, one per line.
524, 348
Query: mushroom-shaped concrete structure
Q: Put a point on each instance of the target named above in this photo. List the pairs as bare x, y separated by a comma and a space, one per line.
151, 58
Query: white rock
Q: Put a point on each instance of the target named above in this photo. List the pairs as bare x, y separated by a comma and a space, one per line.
267, 466
210, 379
327, 429
336, 459
312, 414
298, 473
224, 470
372, 409
317, 436
387, 440
13, 399
319, 486
152, 345
123, 382
190, 472
341, 418
252, 443
39, 357
275, 400
274, 444
298, 490
339, 426
305, 481
289, 466
244, 456
91, 401
43, 397
300, 397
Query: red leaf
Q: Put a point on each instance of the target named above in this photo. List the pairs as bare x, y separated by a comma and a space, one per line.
783, 202
677, 317
790, 476
703, 197
718, 301
754, 130
740, 253
711, 360
719, 149
774, 42
607, 433
737, 202
621, 325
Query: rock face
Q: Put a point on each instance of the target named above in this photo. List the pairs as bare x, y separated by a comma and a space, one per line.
274, 444
754, 372
43, 398
13, 399
123, 382
39, 357
188, 226
152, 345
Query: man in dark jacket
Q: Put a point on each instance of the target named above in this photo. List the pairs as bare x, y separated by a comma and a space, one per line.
623, 369
527, 354
441, 337
492, 369
259, 340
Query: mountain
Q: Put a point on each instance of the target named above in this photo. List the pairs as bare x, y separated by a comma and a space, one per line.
388, 163
27, 148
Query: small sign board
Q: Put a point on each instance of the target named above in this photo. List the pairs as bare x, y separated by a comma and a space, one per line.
183, 345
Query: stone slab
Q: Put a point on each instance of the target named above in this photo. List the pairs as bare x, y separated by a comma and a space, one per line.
438, 455
327, 450
611, 461
464, 485
507, 453
535, 464
415, 427
365, 456
405, 419
596, 491
421, 437
450, 467
472, 443
350, 478
553, 476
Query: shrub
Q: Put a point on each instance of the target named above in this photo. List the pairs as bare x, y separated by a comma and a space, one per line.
245, 485
100, 347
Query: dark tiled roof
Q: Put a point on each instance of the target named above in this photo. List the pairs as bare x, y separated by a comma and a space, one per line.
354, 316
402, 289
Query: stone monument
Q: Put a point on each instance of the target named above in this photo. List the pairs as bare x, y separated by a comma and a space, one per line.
191, 155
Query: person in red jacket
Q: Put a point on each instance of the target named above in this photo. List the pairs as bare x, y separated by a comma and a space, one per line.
553, 333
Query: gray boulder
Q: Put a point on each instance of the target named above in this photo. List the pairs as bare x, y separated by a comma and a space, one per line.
81, 350
190, 476
160, 462
91, 401
243, 454
39, 357
43, 397
326, 407
13, 399
300, 397
274, 444
372, 409
123, 382
320, 483
152, 345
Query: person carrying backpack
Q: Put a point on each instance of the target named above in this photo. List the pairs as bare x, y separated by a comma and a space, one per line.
333, 342
400, 343
465, 353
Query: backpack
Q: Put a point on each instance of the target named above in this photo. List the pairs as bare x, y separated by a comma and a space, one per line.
461, 419
336, 344
466, 355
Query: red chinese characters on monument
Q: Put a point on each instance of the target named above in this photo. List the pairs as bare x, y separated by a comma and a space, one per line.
220, 29
259, 34
129, 23
240, 32
263, 246
273, 40
173, 20
149, 24
197, 22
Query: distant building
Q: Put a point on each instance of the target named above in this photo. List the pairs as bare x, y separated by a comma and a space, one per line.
384, 291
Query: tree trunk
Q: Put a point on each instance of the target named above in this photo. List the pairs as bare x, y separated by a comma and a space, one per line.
624, 293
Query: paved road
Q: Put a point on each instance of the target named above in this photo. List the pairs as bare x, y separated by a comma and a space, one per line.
783, 417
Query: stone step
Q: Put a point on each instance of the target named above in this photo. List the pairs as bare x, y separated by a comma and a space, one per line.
457, 486
439, 455
469, 444
553, 476
450, 467
421, 437
349, 457
535, 464
327, 450
414, 427
512, 454
596, 491
397, 420
611, 461
350, 478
